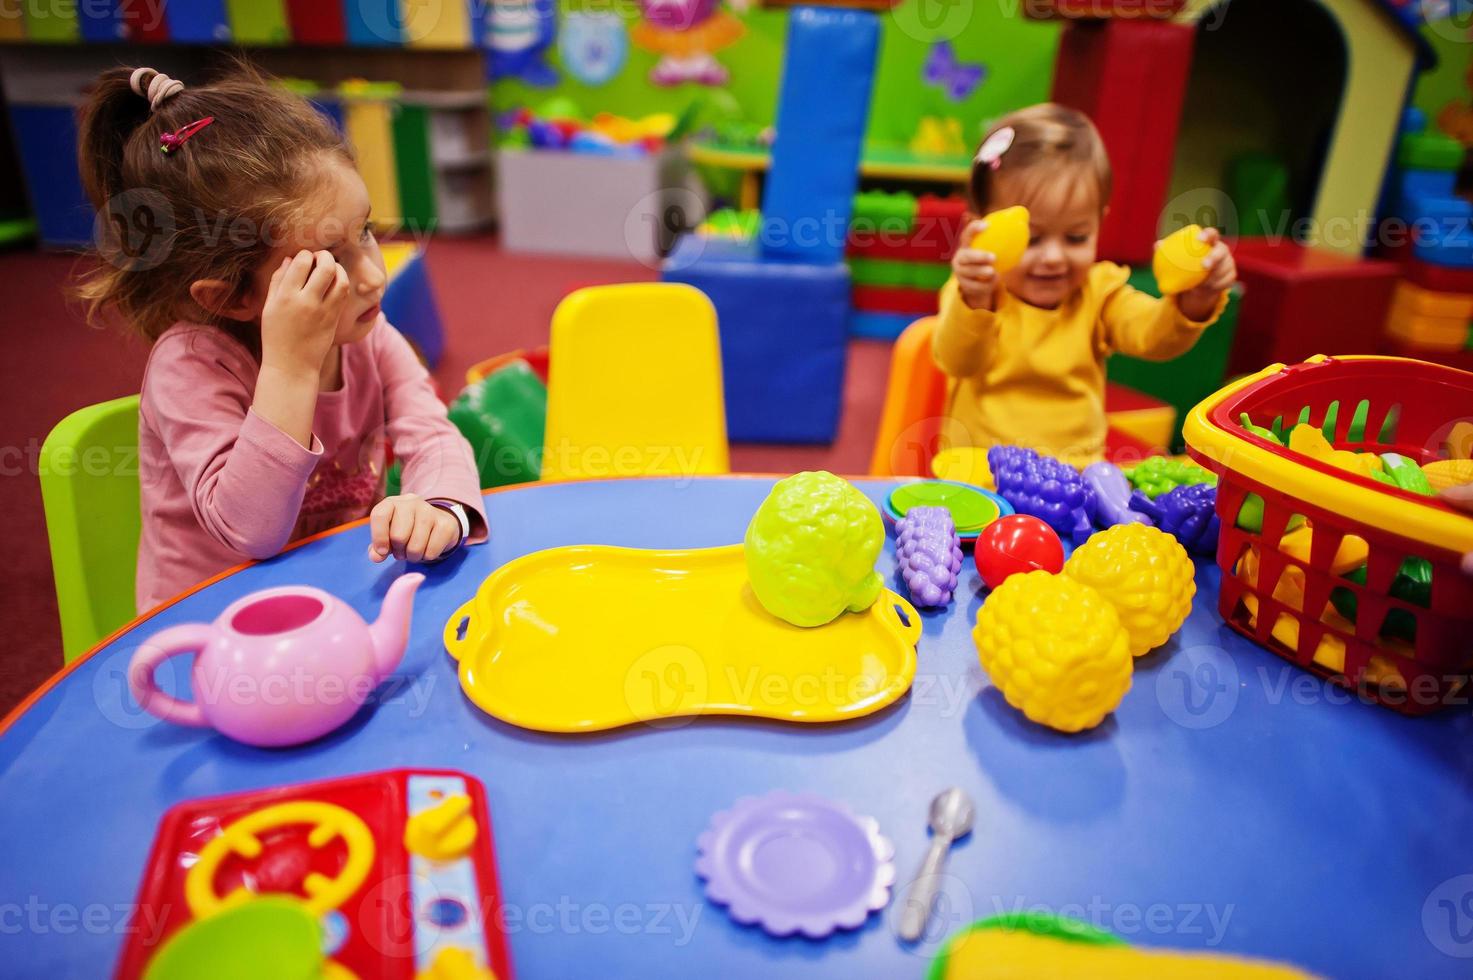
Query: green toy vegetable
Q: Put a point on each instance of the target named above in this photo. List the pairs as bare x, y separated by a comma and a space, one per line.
1405, 474
1158, 474
1259, 430
1250, 516
1413, 584
811, 549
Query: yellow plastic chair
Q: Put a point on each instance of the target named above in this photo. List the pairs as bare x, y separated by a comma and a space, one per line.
634, 385
89, 486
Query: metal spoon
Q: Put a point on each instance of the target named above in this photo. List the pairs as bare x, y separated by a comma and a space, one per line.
952, 813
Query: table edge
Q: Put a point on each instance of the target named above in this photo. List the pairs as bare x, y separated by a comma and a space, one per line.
45, 687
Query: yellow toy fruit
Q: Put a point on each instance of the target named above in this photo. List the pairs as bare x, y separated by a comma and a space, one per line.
1445, 473
1310, 441
1006, 237
1056, 650
1145, 574
1178, 261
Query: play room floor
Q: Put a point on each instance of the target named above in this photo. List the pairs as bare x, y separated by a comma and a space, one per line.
490, 302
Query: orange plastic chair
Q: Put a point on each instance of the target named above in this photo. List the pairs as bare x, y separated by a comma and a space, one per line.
909, 436
915, 395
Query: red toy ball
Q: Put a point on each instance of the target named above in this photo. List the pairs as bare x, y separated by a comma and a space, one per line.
1017, 543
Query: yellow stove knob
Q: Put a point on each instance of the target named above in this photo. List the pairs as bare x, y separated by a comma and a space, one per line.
455, 963
444, 832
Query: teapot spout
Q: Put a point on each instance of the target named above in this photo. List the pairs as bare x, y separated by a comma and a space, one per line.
390, 632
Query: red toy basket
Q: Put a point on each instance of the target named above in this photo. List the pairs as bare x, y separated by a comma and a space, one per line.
1382, 404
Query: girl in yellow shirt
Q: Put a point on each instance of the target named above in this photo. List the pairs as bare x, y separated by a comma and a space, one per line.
1025, 350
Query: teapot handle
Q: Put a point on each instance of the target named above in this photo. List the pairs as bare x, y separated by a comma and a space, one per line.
158, 648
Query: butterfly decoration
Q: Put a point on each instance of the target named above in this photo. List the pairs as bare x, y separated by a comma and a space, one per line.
956, 79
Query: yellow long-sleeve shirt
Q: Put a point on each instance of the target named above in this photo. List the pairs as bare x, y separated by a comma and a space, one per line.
1034, 377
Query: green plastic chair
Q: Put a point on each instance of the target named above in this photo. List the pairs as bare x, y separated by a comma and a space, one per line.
89, 485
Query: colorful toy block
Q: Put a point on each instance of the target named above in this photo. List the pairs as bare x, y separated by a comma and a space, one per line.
1299, 301
1414, 300
823, 105
409, 301
317, 21
1429, 151
783, 331
374, 23
1428, 332
46, 138
199, 21
889, 299
1438, 278
868, 325
1130, 78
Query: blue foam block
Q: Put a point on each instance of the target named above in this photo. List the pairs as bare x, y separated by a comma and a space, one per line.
783, 337
101, 21
46, 137
199, 21
879, 326
823, 105
1452, 251
1413, 120
409, 304
376, 23
1419, 183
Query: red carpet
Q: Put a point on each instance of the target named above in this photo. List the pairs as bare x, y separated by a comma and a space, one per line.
490, 302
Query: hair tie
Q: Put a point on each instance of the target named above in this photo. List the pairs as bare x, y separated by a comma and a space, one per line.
161, 87
995, 146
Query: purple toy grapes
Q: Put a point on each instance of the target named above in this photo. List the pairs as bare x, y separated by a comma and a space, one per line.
1046, 488
1189, 512
929, 553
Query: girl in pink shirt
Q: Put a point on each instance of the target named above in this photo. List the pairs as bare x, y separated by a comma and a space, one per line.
234, 234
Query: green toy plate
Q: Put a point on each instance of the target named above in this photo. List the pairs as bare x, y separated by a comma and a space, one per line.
972, 508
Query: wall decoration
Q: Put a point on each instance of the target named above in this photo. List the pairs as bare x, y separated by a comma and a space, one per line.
956, 78
686, 34
516, 36
593, 46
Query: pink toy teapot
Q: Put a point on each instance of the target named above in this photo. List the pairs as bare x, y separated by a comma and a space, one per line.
280, 666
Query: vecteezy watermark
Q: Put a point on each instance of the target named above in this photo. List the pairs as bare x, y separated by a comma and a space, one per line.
1447, 917
1125, 919
296, 685
414, 898
570, 460
38, 917
1199, 687
668, 685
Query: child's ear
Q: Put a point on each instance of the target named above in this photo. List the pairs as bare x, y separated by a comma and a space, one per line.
220, 298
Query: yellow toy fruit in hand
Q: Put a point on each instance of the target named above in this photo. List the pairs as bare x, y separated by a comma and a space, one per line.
1145, 574
1178, 261
1006, 237
1056, 650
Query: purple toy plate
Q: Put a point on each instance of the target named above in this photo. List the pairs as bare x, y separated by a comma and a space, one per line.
796, 862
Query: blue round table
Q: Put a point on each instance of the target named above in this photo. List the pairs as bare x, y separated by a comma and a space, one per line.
1233, 802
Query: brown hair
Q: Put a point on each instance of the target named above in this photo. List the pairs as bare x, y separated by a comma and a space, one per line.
213, 208
1051, 144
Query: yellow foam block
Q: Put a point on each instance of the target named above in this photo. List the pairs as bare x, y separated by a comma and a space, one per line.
1439, 332
1153, 426
1415, 300
1000, 954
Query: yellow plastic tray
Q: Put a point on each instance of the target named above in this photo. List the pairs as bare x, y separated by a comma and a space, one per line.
587, 638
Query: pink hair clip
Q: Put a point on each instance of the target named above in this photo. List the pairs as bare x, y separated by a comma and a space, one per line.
168, 142
995, 146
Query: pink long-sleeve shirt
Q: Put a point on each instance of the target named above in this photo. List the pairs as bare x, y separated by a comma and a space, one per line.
220, 484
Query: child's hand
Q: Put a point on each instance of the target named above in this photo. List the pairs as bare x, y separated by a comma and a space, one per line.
1462, 498
976, 274
303, 305
411, 529
1199, 302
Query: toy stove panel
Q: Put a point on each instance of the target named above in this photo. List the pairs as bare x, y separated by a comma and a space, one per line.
428, 888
